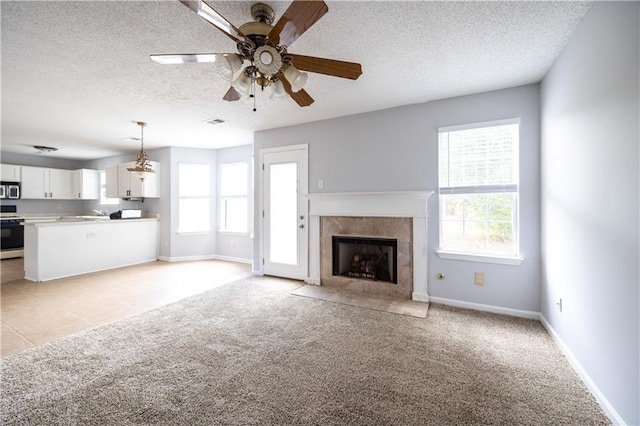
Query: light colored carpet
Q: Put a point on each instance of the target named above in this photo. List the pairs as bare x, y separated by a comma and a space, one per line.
252, 353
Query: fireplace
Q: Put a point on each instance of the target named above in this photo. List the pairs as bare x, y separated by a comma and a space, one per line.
365, 258
374, 216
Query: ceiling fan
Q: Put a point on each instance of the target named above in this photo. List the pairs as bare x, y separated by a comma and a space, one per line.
264, 47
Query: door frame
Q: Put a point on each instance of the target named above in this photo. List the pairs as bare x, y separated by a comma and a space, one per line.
301, 192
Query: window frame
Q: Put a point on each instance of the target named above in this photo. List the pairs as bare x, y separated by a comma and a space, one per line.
104, 200
207, 197
475, 255
223, 198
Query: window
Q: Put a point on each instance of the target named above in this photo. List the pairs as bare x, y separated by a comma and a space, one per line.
478, 185
194, 193
234, 205
104, 200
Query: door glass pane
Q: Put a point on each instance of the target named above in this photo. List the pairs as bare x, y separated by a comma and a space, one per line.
284, 213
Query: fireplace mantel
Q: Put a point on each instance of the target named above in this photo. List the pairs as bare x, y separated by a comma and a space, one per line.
373, 204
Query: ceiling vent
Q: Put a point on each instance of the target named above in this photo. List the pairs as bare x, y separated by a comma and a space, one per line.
42, 148
214, 121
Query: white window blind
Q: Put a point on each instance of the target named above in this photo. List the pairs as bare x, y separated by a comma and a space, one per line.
478, 187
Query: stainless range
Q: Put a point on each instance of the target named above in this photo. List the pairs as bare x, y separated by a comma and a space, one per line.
11, 232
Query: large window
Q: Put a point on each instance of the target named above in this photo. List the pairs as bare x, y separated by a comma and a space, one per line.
234, 205
478, 185
194, 192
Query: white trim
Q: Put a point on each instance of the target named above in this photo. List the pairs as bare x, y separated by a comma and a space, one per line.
234, 234
312, 281
234, 259
486, 308
370, 204
478, 125
420, 297
584, 376
181, 233
480, 258
186, 258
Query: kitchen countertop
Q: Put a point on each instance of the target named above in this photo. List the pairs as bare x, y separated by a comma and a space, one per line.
80, 221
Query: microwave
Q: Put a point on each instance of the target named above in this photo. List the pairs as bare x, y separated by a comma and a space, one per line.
10, 190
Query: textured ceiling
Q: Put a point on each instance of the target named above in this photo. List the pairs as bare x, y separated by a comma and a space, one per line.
76, 75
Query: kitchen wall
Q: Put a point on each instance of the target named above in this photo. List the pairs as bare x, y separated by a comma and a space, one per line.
43, 206
590, 204
235, 246
397, 150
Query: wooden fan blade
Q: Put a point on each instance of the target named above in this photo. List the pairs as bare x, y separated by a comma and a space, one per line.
297, 19
184, 58
231, 95
217, 20
330, 67
301, 97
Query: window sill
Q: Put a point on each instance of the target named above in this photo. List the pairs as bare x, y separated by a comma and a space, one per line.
193, 232
479, 258
234, 234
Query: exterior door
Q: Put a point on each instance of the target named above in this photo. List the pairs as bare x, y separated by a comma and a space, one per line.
284, 212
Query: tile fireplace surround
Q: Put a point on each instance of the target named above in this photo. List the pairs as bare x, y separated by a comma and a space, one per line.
395, 215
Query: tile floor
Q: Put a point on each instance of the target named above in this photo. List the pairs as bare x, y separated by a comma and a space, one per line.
35, 313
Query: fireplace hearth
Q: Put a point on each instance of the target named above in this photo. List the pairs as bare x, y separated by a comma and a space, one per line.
365, 258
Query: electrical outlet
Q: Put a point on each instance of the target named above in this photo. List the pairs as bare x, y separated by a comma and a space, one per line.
478, 278
320, 183
559, 304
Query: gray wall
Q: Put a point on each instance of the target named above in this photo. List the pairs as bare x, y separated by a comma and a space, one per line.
237, 247
590, 192
397, 150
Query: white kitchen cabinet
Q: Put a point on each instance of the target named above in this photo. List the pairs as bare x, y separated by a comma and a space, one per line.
86, 184
130, 185
10, 173
45, 183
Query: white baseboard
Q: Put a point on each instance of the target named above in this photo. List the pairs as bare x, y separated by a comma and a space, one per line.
486, 308
205, 257
185, 258
234, 259
586, 379
312, 281
420, 297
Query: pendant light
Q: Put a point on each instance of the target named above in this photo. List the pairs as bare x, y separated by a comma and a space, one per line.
142, 167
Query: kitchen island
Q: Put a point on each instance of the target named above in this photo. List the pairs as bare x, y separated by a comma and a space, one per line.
72, 247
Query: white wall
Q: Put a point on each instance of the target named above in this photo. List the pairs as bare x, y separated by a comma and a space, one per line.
590, 195
397, 150
228, 246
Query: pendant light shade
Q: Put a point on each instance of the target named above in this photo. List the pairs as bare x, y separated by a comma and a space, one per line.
296, 78
277, 91
227, 65
242, 84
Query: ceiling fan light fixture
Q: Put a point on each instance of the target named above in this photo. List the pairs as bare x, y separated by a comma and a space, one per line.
227, 65
296, 78
267, 60
242, 84
277, 91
